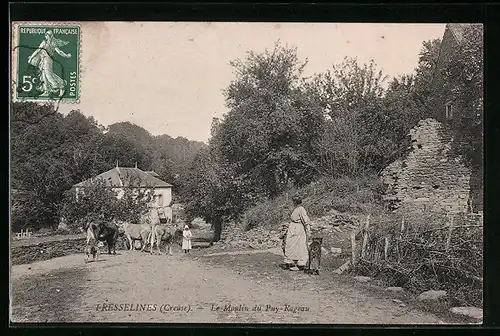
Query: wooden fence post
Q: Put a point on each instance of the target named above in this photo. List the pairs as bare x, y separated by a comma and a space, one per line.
402, 228
386, 247
353, 247
365, 236
450, 232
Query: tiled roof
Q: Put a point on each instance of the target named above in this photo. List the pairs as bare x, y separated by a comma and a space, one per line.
126, 177
152, 173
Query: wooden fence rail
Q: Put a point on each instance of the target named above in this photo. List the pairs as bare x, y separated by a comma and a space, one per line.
24, 234
393, 250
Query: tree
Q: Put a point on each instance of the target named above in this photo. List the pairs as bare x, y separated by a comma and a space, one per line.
35, 165
350, 96
369, 125
270, 134
404, 104
96, 201
425, 71
51, 152
266, 141
31, 113
402, 110
204, 192
464, 79
168, 157
172, 159
52, 155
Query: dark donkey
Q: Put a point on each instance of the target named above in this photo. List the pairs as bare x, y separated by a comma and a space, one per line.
107, 232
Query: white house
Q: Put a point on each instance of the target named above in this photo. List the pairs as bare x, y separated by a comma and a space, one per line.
120, 178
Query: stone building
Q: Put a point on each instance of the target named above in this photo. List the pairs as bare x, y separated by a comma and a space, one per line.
456, 112
428, 178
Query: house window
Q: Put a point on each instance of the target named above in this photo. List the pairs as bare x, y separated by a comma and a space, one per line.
160, 200
449, 110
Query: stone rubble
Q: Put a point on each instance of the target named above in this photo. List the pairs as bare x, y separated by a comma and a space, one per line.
432, 295
360, 278
346, 266
233, 235
473, 312
335, 221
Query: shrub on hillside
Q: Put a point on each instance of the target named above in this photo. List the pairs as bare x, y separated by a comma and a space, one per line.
45, 231
99, 202
345, 195
422, 254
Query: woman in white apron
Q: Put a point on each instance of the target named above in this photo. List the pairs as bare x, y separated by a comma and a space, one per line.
297, 236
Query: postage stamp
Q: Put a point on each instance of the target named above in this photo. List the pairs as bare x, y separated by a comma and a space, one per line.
48, 63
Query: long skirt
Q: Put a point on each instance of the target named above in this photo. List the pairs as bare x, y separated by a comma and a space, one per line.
296, 245
51, 81
186, 244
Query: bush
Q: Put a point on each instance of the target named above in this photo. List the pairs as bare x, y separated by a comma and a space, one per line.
193, 225
61, 231
45, 231
133, 205
31, 213
99, 202
320, 197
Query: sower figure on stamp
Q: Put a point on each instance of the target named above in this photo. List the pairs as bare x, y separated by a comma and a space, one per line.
42, 59
297, 236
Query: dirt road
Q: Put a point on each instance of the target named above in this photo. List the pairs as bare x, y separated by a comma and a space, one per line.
138, 287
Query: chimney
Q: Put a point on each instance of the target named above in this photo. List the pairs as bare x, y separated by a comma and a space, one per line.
136, 165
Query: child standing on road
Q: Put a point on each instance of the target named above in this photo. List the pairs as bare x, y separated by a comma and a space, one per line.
186, 239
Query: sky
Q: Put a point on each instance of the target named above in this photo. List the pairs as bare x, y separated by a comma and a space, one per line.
168, 77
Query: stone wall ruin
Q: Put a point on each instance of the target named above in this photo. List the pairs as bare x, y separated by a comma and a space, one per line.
428, 178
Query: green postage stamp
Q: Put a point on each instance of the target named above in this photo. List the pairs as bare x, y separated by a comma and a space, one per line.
48, 63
